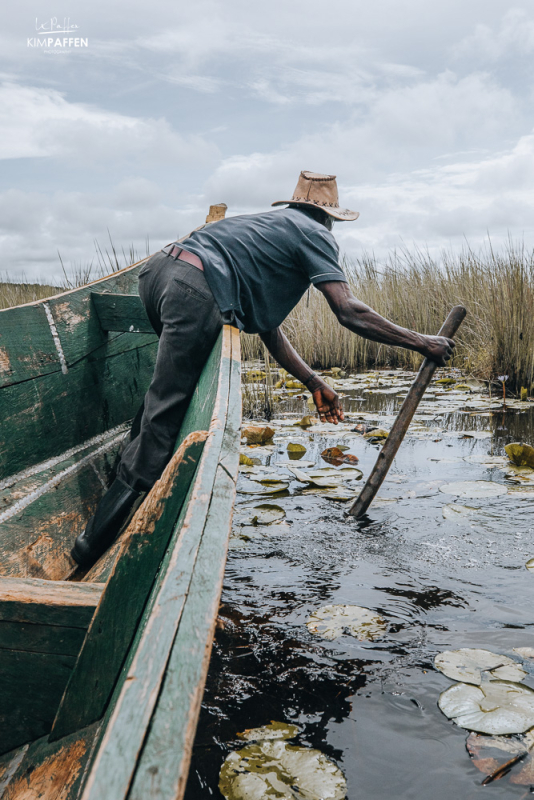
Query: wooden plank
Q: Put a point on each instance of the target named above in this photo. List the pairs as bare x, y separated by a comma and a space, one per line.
164, 763
34, 638
48, 602
27, 346
48, 771
121, 312
57, 412
124, 598
38, 530
136, 693
31, 686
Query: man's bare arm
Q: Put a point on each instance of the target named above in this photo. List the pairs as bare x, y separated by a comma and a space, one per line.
324, 397
360, 319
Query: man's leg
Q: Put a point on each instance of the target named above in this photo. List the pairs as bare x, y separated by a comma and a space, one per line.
184, 313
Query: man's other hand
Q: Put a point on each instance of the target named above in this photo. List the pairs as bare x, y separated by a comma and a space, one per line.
328, 405
438, 349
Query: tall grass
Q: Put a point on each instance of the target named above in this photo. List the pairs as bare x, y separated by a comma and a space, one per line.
417, 291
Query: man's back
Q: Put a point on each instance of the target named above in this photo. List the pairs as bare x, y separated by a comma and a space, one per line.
258, 266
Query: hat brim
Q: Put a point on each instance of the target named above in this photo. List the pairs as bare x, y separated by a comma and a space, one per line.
341, 214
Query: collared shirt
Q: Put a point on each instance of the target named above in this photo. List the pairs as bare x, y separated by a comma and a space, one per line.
258, 266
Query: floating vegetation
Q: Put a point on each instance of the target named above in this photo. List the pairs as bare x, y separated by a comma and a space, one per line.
267, 514
332, 621
269, 767
496, 756
469, 664
496, 707
521, 454
474, 489
256, 435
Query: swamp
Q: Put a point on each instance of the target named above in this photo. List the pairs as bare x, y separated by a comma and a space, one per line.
326, 678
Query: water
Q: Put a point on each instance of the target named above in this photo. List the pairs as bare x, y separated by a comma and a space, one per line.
372, 706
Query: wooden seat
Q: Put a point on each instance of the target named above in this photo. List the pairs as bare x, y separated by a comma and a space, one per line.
42, 628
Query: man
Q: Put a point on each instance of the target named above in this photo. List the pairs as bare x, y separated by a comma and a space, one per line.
249, 271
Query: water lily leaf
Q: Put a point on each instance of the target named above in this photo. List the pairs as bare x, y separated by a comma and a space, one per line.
524, 652
254, 375
530, 565
487, 461
245, 460
376, 433
445, 381
521, 454
335, 455
468, 664
457, 513
267, 514
306, 422
295, 447
275, 730
474, 489
253, 487
343, 495
294, 385
493, 754
256, 435
277, 770
496, 707
320, 481
332, 621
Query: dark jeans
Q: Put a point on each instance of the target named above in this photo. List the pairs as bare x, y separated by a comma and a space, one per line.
185, 316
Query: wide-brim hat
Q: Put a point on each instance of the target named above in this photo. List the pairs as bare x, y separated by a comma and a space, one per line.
319, 191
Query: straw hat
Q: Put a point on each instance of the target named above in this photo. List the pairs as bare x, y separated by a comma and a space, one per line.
319, 191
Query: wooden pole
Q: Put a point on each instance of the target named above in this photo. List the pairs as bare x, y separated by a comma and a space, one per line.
400, 426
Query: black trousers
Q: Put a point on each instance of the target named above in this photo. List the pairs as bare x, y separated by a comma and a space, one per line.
185, 316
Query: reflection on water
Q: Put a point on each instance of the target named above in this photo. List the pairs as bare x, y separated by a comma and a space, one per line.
440, 583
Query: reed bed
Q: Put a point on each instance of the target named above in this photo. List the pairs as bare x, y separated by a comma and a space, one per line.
417, 291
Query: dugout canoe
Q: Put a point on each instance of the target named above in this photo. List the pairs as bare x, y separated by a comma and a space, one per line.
102, 674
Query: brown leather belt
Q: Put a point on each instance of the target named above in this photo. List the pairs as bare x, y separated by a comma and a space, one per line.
183, 255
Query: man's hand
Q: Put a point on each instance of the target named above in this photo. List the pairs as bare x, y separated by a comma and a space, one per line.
438, 349
326, 402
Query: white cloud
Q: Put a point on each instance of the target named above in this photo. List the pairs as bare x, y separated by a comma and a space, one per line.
513, 36
35, 123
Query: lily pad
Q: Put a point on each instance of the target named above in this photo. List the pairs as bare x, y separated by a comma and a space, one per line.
376, 433
253, 487
457, 512
306, 422
468, 664
256, 435
474, 489
275, 769
335, 455
496, 707
275, 730
332, 621
245, 460
295, 447
524, 652
521, 454
267, 514
530, 565
495, 756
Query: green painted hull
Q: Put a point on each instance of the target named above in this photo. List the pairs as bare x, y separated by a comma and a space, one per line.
103, 673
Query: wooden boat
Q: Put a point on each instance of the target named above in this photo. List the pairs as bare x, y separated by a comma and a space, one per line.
102, 674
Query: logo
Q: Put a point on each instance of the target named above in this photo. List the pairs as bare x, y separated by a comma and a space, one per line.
56, 35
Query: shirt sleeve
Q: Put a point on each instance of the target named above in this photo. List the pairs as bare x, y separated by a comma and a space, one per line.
318, 255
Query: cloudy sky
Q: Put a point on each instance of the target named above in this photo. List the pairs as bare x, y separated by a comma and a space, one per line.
424, 111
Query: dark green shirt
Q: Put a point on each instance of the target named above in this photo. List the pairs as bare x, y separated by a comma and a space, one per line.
258, 266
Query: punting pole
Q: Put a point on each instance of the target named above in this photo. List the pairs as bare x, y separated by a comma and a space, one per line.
400, 426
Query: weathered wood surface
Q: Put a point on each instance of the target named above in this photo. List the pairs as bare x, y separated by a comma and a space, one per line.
48, 771
136, 696
404, 417
121, 312
55, 357
44, 508
124, 598
42, 627
41, 602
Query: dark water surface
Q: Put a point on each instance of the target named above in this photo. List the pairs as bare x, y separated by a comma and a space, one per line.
372, 706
